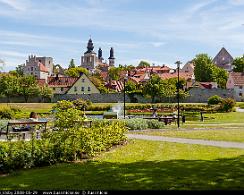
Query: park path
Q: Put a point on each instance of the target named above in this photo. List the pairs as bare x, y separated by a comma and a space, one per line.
222, 144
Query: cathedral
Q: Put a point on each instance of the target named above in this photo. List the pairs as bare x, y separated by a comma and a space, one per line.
90, 60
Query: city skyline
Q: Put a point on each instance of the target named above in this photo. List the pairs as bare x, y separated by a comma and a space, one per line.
160, 32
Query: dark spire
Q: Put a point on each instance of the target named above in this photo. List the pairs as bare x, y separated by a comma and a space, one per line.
90, 46
100, 53
111, 53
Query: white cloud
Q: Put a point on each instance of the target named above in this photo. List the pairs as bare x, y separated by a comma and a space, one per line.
19, 5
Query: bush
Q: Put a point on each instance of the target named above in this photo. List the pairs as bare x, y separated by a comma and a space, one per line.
214, 100
140, 124
227, 105
61, 146
6, 113
155, 124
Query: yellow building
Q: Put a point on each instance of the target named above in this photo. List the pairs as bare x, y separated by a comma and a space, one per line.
82, 85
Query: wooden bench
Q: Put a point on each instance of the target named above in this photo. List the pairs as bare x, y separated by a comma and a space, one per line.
22, 130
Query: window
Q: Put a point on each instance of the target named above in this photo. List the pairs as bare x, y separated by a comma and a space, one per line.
82, 88
53, 88
32, 68
240, 94
83, 80
89, 88
75, 88
240, 87
40, 61
49, 62
62, 89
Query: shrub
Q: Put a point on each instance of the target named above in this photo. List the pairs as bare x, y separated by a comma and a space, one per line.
6, 113
136, 124
155, 124
61, 146
227, 105
214, 100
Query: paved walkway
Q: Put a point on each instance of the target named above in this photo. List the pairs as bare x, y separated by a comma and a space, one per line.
222, 144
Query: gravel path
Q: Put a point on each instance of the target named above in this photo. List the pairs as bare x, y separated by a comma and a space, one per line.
222, 144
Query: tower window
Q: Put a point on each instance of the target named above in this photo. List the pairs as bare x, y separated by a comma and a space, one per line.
31, 68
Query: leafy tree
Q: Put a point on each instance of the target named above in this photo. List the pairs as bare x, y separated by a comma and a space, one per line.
238, 64
221, 77
205, 70
152, 87
72, 64
130, 87
20, 70
45, 92
143, 64
167, 89
215, 99
9, 86
114, 73
75, 72
28, 87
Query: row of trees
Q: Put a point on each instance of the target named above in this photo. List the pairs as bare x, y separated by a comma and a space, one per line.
12, 85
158, 88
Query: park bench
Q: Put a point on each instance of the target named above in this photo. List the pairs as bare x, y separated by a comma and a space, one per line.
19, 128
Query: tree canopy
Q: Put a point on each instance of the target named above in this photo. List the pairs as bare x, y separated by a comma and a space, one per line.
143, 64
76, 71
72, 63
238, 64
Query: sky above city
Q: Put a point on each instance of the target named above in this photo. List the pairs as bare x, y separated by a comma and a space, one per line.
157, 31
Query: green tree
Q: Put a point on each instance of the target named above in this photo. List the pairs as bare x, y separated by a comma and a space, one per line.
238, 64
75, 72
205, 70
20, 70
28, 87
114, 73
221, 77
45, 92
130, 87
152, 87
9, 86
72, 64
167, 89
143, 64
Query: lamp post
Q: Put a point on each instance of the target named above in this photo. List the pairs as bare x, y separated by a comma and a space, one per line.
178, 92
125, 79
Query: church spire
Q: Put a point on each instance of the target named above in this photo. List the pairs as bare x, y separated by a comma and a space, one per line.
90, 46
111, 53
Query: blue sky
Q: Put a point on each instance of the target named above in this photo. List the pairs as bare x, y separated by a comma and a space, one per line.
158, 31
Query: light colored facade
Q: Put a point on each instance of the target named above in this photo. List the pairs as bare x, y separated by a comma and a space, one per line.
40, 67
82, 85
188, 68
236, 82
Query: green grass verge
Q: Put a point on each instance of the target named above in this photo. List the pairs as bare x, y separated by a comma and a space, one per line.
234, 135
141, 165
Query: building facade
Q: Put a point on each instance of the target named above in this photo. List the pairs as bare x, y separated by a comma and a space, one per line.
40, 67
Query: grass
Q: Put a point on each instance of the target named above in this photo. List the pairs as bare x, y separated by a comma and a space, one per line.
140, 165
29, 107
234, 135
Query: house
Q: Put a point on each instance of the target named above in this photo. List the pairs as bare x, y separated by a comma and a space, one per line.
118, 86
223, 60
236, 82
188, 68
82, 85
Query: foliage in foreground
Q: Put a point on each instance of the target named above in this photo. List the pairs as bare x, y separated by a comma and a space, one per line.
60, 146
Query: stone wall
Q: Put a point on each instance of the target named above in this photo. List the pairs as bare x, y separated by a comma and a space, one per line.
196, 95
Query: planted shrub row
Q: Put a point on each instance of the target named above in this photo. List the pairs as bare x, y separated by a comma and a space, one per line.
60, 146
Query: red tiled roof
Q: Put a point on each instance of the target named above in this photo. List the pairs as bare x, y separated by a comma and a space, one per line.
174, 75
116, 85
42, 67
238, 78
61, 81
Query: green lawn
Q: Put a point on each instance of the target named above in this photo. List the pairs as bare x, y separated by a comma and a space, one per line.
141, 165
29, 107
235, 135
